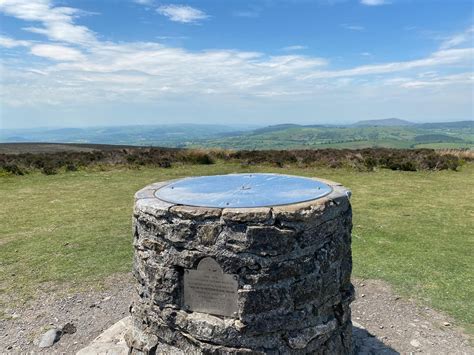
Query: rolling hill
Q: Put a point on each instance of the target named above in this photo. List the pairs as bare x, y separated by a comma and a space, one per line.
390, 133
386, 122
459, 135
173, 135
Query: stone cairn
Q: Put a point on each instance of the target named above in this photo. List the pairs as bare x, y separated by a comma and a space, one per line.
290, 267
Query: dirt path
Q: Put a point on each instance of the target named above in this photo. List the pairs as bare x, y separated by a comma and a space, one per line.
383, 322
401, 325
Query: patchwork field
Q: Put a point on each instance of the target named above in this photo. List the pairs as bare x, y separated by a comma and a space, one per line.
310, 137
412, 229
388, 133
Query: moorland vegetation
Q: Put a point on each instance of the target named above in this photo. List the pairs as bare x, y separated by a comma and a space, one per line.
366, 159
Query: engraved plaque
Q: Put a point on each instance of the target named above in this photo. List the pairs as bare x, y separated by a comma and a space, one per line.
209, 290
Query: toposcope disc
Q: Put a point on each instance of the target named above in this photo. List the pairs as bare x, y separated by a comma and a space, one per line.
242, 190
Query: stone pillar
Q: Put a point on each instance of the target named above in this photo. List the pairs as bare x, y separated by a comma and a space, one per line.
291, 266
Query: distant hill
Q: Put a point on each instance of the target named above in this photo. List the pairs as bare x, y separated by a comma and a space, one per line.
447, 125
172, 135
390, 133
386, 122
275, 128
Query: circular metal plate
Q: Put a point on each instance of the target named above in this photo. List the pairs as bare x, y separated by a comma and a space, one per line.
242, 190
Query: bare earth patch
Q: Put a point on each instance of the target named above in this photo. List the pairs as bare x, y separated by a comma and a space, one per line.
402, 325
383, 322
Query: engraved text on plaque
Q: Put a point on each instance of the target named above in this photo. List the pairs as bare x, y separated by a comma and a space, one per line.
209, 290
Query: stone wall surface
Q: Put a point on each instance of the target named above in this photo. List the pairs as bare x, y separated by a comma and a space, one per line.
293, 266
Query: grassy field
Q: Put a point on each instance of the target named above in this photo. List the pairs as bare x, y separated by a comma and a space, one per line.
412, 229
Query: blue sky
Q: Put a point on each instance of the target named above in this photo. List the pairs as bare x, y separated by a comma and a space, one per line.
119, 62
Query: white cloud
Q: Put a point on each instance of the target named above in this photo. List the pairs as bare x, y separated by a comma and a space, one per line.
373, 2
436, 81
8, 42
91, 71
58, 22
164, 38
459, 38
181, 13
56, 52
149, 72
294, 48
443, 57
144, 2
353, 27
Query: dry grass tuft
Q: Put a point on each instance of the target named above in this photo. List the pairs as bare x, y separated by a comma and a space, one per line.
465, 154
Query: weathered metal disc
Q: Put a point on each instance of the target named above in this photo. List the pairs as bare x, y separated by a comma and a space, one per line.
242, 190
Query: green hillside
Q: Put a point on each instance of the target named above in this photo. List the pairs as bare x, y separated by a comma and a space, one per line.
302, 137
388, 133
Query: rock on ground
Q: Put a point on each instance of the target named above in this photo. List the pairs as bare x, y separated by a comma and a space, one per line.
49, 338
111, 341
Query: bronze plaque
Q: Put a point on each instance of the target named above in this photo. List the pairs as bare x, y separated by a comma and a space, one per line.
207, 289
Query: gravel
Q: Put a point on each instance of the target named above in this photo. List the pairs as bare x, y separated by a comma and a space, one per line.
384, 323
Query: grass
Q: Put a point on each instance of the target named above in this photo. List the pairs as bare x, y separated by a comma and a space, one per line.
412, 229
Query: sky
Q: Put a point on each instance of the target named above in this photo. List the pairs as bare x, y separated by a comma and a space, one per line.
123, 62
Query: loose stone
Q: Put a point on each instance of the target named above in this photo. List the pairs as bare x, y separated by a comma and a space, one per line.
49, 338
